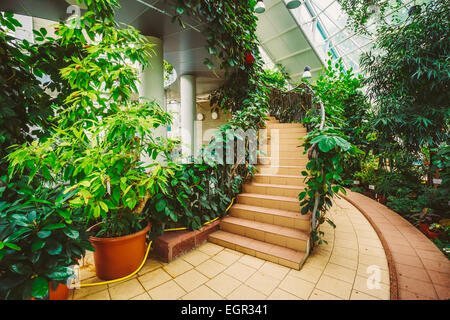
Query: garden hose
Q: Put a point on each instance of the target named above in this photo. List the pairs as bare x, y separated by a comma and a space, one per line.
146, 255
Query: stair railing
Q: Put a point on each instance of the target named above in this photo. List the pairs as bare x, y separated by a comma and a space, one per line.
315, 155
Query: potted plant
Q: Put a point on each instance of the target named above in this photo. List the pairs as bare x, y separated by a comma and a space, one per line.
435, 230
384, 188
110, 182
41, 239
103, 143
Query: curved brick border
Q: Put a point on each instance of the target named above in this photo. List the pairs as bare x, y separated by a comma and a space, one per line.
418, 269
391, 265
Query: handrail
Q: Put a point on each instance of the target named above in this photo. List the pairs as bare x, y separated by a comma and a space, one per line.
315, 155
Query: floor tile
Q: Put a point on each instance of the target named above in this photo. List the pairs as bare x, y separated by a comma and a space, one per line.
154, 278
252, 261
308, 273
210, 268
210, 248
240, 271
126, 290
334, 286
279, 294
195, 257
223, 284
150, 265
274, 270
296, 286
262, 282
143, 296
226, 258
375, 289
322, 295
243, 292
177, 267
340, 272
190, 280
167, 291
202, 293
101, 295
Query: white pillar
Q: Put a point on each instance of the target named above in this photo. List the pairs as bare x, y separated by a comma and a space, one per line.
151, 86
187, 114
152, 79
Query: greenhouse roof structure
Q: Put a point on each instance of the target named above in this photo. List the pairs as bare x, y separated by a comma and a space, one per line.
304, 36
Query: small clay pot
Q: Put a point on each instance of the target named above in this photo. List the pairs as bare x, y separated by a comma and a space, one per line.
119, 256
60, 293
382, 199
433, 235
424, 227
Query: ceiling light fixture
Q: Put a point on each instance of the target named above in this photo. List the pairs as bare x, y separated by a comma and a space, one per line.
293, 4
307, 73
260, 7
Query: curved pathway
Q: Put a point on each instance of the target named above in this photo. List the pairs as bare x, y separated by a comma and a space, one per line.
419, 270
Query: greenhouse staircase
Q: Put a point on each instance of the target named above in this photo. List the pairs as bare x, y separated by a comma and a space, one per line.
265, 221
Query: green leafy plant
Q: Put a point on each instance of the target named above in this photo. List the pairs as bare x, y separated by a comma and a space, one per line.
102, 133
41, 238
324, 177
436, 227
408, 81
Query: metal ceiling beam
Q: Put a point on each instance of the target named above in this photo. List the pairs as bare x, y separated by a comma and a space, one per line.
280, 34
296, 53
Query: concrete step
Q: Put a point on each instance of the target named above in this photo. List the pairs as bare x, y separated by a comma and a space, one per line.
284, 256
302, 160
273, 189
283, 170
281, 236
269, 201
283, 218
279, 179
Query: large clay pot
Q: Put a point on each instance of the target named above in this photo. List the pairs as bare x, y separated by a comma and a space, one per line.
119, 256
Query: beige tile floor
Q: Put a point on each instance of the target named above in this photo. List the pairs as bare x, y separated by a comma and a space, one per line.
340, 269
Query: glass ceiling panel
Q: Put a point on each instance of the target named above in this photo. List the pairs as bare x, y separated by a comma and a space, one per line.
324, 24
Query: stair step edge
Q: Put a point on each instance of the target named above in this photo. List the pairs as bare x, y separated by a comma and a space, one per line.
260, 246
278, 212
267, 227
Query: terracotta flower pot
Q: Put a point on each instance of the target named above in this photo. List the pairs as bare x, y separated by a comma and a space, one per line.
424, 227
61, 292
433, 235
382, 199
119, 256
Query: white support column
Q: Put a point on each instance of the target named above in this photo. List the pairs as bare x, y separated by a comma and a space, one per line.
187, 114
152, 79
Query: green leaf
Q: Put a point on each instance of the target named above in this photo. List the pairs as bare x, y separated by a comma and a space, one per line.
71, 233
54, 248
327, 144
44, 234
12, 246
37, 245
21, 268
160, 205
54, 226
40, 288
